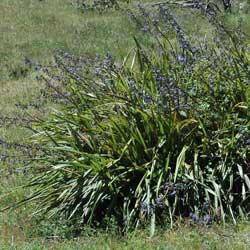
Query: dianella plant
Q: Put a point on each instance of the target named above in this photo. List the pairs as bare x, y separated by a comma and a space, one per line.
160, 137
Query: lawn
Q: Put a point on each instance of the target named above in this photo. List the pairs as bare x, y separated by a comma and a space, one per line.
187, 238
34, 30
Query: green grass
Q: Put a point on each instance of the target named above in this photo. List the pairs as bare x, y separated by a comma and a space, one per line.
34, 29
185, 238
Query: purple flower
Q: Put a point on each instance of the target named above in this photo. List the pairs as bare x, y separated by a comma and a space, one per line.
143, 207
181, 59
173, 194
205, 206
194, 217
159, 203
145, 28
207, 219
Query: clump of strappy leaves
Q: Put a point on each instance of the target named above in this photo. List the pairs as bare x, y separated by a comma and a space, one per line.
165, 135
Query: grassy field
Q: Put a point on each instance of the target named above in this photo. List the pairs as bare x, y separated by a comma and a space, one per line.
34, 29
186, 238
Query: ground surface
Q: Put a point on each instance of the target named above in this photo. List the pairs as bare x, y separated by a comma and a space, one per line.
34, 29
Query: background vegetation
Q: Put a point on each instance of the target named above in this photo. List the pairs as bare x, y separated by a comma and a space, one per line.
33, 34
